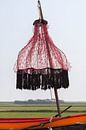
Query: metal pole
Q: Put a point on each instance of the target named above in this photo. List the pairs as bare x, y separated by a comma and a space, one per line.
40, 10
55, 90
57, 102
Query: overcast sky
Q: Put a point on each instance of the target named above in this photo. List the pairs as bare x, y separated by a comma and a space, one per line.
67, 28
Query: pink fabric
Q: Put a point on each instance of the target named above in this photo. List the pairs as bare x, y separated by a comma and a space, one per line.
40, 52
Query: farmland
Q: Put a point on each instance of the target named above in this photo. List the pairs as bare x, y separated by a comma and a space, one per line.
11, 109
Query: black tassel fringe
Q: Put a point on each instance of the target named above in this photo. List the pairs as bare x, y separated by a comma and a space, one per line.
44, 79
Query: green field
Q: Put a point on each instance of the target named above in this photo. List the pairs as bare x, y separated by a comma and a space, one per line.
38, 110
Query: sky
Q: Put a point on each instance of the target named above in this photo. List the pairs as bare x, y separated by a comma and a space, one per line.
67, 28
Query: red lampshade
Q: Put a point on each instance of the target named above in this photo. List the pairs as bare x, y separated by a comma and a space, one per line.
40, 64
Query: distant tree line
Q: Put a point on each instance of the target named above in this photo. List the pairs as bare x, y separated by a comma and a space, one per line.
38, 101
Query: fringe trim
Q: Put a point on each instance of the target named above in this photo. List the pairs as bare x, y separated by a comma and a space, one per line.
43, 79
